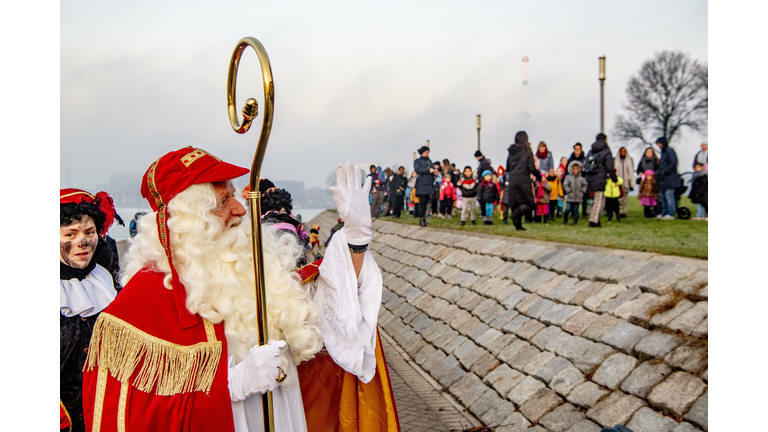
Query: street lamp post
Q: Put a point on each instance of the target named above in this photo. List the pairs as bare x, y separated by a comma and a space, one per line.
427, 143
478, 132
602, 94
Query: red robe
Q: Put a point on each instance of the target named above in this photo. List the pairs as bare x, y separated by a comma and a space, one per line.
179, 382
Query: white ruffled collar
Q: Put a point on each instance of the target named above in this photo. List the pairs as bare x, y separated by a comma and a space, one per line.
89, 296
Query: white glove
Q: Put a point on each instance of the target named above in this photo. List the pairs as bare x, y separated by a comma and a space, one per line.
257, 373
352, 202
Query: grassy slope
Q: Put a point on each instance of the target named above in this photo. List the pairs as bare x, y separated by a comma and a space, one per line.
678, 237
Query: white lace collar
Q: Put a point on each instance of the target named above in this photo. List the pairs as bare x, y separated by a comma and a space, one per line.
89, 296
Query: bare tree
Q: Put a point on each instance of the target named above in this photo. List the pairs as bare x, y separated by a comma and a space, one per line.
669, 93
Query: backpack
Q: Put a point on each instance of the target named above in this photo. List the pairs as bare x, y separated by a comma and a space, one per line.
590, 164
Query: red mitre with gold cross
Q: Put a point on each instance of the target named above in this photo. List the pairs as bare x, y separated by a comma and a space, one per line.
170, 175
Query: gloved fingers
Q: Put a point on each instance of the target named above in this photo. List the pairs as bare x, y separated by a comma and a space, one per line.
341, 177
338, 198
350, 176
358, 175
367, 186
278, 343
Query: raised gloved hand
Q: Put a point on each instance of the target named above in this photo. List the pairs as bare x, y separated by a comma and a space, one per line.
352, 202
257, 373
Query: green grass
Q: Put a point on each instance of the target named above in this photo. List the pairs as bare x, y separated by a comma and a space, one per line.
685, 238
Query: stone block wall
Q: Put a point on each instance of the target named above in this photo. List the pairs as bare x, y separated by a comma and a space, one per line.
526, 334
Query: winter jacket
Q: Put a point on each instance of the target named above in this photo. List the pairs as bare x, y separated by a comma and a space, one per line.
397, 185
667, 175
647, 163
699, 188
488, 192
557, 188
412, 182
625, 169
503, 187
613, 189
604, 160
468, 187
575, 186
425, 178
447, 190
649, 188
543, 192
547, 163
520, 167
483, 165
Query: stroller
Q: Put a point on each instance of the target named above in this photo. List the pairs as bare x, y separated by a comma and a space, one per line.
683, 213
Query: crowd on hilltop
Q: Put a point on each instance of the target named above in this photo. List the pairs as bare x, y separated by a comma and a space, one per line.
532, 188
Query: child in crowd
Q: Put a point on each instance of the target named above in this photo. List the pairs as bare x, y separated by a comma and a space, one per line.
556, 194
543, 191
562, 167
468, 186
496, 178
447, 197
613, 191
575, 187
699, 188
561, 201
649, 193
488, 194
314, 239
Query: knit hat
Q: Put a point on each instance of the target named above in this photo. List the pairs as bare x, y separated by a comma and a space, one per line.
423, 149
662, 140
478, 154
101, 200
167, 177
487, 172
649, 172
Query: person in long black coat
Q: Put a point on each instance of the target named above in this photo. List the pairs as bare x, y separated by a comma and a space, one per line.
596, 180
520, 167
423, 167
668, 179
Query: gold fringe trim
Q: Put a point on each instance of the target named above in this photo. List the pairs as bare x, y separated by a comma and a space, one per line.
66, 413
119, 347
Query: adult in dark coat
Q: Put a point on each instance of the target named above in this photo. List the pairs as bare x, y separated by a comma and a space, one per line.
423, 168
596, 180
520, 167
667, 178
483, 164
397, 186
649, 161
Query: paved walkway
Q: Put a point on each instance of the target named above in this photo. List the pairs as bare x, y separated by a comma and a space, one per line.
420, 406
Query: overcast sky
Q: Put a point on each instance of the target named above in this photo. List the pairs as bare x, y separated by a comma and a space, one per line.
355, 80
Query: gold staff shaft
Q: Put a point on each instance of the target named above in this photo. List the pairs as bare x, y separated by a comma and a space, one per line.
250, 111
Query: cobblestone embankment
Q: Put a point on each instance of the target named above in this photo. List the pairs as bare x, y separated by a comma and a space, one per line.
532, 336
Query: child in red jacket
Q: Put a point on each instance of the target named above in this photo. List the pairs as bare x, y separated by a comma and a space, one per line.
447, 197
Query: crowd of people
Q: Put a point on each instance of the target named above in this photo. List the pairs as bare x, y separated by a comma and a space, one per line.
531, 188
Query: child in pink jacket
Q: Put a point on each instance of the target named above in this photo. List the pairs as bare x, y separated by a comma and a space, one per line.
447, 197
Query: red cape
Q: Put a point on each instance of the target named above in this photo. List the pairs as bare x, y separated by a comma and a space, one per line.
147, 373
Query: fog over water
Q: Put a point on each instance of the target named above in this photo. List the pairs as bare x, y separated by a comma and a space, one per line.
353, 81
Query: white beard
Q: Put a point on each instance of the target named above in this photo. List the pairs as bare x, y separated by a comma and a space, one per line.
216, 268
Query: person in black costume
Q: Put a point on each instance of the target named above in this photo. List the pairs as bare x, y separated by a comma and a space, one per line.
520, 167
86, 267
426, 175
